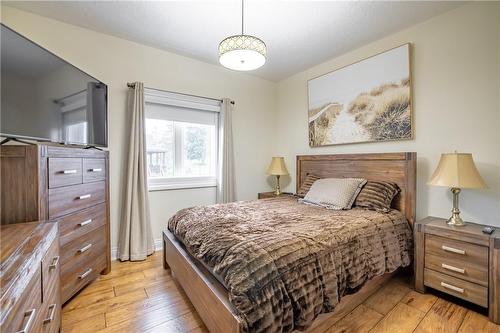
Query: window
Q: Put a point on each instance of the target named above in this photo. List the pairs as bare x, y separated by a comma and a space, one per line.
76, 132
74, 117
181, 140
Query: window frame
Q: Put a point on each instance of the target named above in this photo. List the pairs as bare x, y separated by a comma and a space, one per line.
152, 96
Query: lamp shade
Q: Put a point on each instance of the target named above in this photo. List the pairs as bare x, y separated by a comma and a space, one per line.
242, 53
277, 167
457, 170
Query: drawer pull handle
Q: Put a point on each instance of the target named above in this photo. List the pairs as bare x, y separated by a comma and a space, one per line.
452, 249
52, 309
55, 262
84, 223
453, 268
452, 287
85, 196
85, 274
95, 170
67, 172
85, 248
32, 315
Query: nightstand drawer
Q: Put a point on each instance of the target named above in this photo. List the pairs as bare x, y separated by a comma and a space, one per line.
457, 268
468, 291
466, 253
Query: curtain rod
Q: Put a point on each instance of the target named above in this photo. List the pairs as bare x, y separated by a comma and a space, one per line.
56, 101
132, 85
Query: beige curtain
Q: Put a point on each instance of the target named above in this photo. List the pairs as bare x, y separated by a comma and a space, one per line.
135, 238
225, 181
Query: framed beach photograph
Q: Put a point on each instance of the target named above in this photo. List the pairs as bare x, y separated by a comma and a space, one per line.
367, 101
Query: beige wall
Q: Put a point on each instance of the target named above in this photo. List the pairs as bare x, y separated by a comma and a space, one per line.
116, 61
456, 66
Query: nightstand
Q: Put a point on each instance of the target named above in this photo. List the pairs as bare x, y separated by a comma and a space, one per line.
459, 261
267, 195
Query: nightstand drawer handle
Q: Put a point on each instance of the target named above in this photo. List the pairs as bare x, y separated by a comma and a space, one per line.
451, 287
52, 309
31, 314
453, 268
95, 170
85, 196
452, 249
84, 223
85, 248
55, 262
85, 274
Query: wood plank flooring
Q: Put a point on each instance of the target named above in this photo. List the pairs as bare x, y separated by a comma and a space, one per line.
143, 297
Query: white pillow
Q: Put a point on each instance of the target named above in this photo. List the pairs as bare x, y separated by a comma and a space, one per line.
334, 193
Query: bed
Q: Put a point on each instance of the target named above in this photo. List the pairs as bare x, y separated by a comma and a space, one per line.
284, 279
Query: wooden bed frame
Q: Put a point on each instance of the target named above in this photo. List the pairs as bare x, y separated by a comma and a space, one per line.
210, 298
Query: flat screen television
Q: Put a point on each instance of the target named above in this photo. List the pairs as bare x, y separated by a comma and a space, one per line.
45, 98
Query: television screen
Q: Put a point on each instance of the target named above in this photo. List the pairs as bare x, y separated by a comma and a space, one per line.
45, 98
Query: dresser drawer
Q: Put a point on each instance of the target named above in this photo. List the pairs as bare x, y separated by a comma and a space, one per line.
65, 200
76, 277
467, 253
51, 315
51, 302
94, 169
26, 313
51, 309
458, 268
51, 271
64, 172
87, 247
468, 291
78, 224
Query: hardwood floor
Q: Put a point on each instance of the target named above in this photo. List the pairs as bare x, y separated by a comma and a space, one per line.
143, 297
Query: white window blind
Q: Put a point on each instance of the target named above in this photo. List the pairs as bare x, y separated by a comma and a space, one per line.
74, 117
181, 140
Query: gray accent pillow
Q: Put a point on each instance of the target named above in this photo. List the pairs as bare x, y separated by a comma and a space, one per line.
334, 193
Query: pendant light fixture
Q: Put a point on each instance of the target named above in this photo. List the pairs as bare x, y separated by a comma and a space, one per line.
242, 52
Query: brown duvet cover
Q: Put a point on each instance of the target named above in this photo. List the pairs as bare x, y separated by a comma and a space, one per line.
284, 262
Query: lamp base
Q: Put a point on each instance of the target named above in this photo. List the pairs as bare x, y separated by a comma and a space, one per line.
277, 190
455, 219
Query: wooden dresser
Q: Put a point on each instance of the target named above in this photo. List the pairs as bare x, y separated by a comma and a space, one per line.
30, 278
67, 184
460, 261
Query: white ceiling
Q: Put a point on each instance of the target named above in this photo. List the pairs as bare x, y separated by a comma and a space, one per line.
298, 34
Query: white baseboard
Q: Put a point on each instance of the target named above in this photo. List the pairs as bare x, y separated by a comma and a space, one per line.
158, 246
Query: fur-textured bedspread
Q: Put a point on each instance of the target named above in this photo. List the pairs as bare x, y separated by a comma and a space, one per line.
284, 263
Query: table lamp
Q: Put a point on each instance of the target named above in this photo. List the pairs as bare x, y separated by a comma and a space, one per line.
457, 170
277, 168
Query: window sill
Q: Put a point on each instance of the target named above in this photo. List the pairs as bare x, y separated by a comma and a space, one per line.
181, 186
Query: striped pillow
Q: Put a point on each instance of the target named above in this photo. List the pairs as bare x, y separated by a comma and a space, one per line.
377, 196
306, 185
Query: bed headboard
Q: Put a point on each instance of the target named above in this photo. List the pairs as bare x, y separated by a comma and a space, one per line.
396, 167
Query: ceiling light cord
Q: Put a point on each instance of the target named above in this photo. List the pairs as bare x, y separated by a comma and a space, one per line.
242, 16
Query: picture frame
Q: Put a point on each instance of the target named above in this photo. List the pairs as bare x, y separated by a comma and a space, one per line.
367, 101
